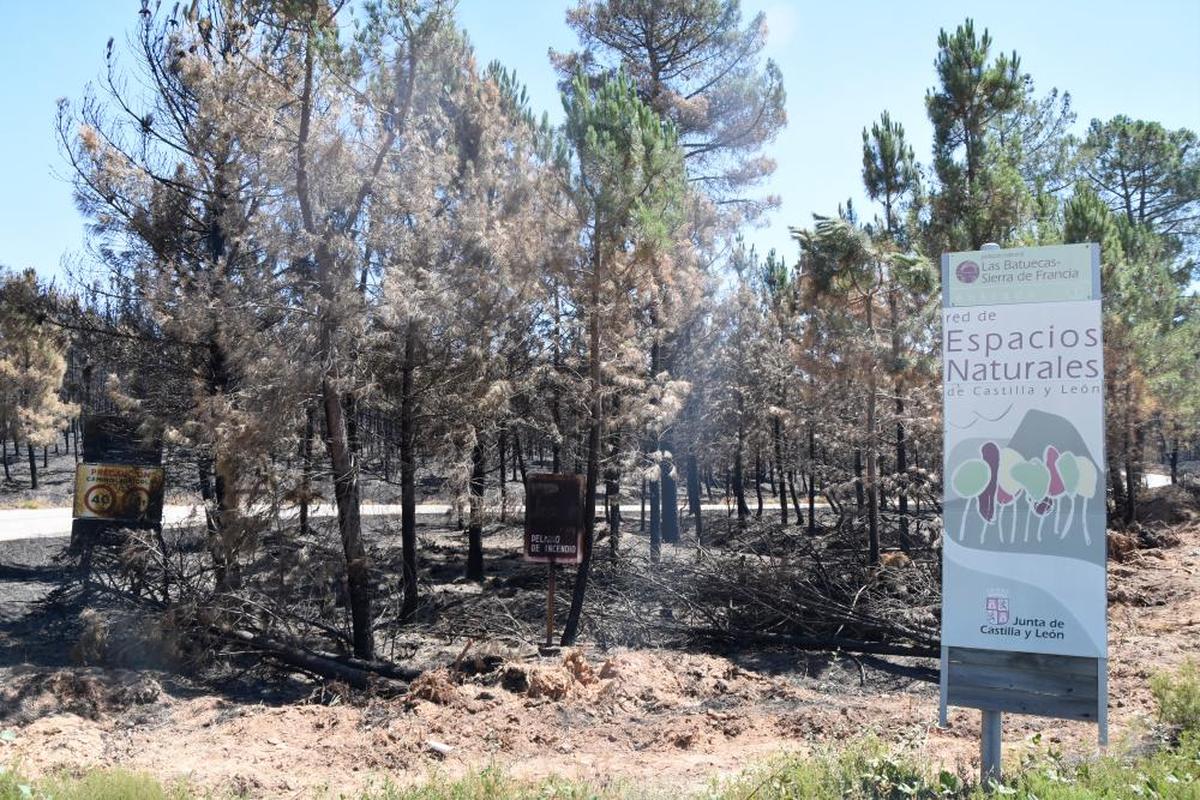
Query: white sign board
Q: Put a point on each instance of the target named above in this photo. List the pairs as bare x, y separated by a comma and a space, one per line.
1024, 506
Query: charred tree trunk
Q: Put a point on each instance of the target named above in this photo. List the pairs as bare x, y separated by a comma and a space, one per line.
902, 471
758, 483
782, 491
571, 628
520, 457
346, 494
860, 497
555, 403
1116, 482
306, 469
33, 482
1129, 446
408, 479
812, 481
872, 456
901, 444
475, 529
612, 509
693, 492
642, 517
791, 482
655, 521
612, 485
670, 496
670, 502
501, 454
216, 552
739, 487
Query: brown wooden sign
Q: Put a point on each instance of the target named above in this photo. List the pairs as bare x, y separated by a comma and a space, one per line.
554, 518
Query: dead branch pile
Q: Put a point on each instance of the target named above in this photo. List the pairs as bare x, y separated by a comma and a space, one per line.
764, 585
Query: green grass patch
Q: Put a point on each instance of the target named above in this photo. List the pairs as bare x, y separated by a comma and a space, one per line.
93, 785
869, 772
1178, 696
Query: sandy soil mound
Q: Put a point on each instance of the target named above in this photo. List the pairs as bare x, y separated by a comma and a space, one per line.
1169, 505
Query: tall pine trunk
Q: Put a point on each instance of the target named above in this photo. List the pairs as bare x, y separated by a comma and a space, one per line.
758, 483
693, 493
812, 481
872, 454
612, 491
408, 479
739, 486
782, 491
306, 469
33, 482
346, 494
475, 495
901, 445
501, 440
670, 495
655, 521
571, 628
791, 480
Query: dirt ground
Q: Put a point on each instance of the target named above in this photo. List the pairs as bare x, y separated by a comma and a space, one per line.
647, 718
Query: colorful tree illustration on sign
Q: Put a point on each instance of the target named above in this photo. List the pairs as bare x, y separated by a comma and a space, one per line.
1007, 488
1035, 480
969, 480
1001, 476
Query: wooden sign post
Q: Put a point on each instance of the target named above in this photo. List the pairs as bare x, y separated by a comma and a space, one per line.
553, 529
1024, 602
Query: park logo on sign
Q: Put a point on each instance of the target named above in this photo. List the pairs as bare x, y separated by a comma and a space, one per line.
967, 271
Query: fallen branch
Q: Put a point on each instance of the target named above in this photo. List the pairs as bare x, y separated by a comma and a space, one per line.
354, 672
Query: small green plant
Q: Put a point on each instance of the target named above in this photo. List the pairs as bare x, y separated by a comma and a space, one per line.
1178, 696
97, 785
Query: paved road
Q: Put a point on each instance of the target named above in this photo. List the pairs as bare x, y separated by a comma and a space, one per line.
48, 523
44, 523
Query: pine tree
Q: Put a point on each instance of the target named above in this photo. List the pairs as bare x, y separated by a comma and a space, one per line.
628, 185
1146, 173
32, 365
973, 203
701, 69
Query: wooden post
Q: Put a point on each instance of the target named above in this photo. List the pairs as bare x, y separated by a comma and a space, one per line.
550, 605
989, 749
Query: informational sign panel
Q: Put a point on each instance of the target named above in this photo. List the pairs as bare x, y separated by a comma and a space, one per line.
1023, 371
1024, 604
554, 518
119, 492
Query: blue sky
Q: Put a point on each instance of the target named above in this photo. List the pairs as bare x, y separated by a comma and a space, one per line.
843, 63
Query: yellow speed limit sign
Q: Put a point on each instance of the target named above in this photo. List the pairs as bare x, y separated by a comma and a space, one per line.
118, 492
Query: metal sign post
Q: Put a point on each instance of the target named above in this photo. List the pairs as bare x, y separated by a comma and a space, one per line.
1024, 601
